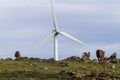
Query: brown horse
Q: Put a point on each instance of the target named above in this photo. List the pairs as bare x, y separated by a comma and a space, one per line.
86, 55
100, 54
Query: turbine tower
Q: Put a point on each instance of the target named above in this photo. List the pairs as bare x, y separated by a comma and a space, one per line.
54, 35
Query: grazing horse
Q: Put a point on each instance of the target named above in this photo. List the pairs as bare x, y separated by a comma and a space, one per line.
86, 55
100, 54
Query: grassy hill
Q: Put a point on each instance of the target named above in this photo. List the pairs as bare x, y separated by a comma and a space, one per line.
41, 69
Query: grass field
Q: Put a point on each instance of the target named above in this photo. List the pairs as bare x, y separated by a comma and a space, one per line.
45, 70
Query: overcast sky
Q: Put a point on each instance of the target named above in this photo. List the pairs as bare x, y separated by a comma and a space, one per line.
24, 23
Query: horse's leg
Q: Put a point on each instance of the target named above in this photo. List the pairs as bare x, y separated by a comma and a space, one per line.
98, 59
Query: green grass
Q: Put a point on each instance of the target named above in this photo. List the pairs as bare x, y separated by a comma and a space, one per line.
41, 70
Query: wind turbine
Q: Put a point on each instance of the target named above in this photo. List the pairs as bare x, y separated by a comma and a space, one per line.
54, 35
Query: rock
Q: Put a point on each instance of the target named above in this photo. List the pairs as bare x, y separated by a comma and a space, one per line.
115, 61
84, 67
10, 59
95, 73
52, 60
113, 66
95, 61
63, 64
114, 79
73, 58
93, 79
75, 74
63, 72
45, 68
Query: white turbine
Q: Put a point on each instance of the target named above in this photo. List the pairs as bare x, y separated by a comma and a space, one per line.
55, 33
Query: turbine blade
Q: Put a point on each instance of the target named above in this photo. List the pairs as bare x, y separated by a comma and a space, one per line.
43, 41
73, 38
53, 16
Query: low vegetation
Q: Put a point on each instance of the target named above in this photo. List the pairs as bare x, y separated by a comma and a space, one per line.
72, 68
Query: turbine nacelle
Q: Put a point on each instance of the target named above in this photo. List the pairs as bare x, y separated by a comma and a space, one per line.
56, 32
